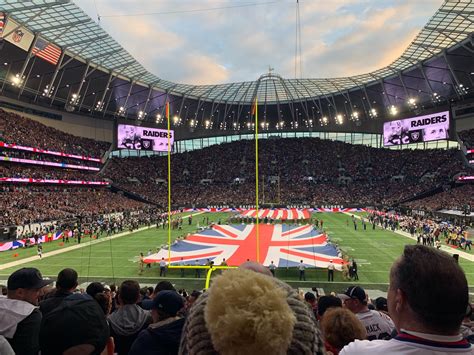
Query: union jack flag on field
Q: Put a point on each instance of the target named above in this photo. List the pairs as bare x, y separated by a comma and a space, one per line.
283, 244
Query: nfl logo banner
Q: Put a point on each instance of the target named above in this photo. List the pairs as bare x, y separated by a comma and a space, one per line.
18, 35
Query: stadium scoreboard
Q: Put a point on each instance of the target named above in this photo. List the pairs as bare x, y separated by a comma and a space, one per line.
144, 138
418, 129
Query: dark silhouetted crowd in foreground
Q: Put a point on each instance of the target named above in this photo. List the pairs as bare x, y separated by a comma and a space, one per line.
418, 316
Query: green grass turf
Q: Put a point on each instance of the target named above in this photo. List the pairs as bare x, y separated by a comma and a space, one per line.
116, 260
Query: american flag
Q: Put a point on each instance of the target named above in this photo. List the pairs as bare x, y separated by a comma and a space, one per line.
47, 51
2, 24
283, 244
279, 213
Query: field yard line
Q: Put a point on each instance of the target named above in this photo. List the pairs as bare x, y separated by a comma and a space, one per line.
78, 246
445, 248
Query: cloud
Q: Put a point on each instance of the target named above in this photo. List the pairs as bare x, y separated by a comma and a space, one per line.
339, 37
201, 69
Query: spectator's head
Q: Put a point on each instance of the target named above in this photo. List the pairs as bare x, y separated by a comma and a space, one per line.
166, 305
95, 288
326, 302
310, 298
428, 291
381, 304
192, 298
341, 327
4, 290
231, 318
77, 326
354, 299
163, 286
149, 291
25, 284
67, 280
129, 292
105, 302
253, 266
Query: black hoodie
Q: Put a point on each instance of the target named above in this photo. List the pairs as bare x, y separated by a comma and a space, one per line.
160, 338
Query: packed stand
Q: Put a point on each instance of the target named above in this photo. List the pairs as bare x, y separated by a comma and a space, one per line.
36, 157
229, 318
23, 131
22, 204
305, 170
451, 199
14, 170
467, 137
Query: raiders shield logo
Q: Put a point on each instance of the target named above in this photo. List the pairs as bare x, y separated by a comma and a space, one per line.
415, 136
147, 144
17, 36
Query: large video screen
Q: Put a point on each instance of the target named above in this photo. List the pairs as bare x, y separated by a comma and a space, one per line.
143, 138
419, 129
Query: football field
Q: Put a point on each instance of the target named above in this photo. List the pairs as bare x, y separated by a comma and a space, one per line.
116, 259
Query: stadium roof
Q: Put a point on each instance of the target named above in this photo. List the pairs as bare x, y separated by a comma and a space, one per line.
65, 24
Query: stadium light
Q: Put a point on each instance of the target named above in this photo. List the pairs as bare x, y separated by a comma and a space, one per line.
324, 121
412, 101
355, 115
461, 89
140, 115
339, 119
48, 91
176, 119
436, 97
75, 99
373, 112
393, 110
16, 80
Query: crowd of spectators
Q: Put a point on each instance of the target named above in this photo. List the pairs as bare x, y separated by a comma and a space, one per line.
23, 131
467, 137
21, 154
15, 170
20, 204
270, 317
451, 199
292, 171
305, 170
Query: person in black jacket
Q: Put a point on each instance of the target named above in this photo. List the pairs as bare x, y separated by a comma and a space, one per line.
65, 286
163, 336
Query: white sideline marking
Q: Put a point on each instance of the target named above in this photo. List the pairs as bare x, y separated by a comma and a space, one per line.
78, 246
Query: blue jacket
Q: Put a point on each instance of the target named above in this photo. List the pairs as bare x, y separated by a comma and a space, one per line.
160, 338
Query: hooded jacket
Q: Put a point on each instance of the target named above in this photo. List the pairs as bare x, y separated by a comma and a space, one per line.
125, 325
20, 323
159, 338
